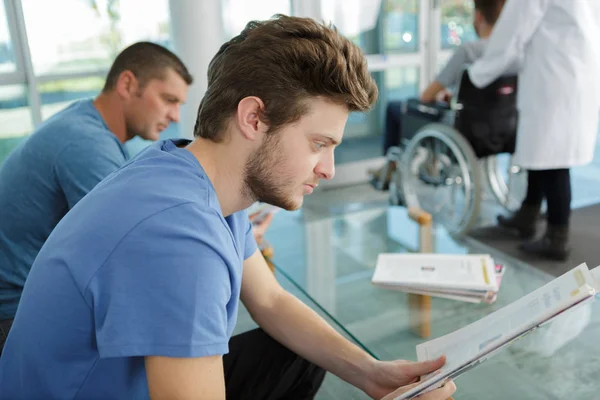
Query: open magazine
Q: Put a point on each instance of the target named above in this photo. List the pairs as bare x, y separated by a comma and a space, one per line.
468, 347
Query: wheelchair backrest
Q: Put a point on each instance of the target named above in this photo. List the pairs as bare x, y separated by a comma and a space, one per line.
487, 117
500, 93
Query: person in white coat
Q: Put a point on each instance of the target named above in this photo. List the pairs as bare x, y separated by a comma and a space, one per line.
556, 44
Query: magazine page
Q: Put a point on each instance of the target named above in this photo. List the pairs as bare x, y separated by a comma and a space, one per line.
471, 345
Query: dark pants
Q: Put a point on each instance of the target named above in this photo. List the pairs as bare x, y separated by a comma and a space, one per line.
554, 185
4, 329
393, 125
258, 367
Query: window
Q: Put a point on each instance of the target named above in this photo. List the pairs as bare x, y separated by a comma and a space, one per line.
362, 137
237, 13
457, 23
400, 26
56, 95
7, 55
15, 118
95, 33
377, 27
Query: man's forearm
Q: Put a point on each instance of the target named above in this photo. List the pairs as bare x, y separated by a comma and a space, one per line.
303, 331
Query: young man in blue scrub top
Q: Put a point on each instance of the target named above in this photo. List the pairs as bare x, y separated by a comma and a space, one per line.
74, 150
135, 294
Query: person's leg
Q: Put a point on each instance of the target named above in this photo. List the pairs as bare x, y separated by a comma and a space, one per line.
559, 197
380, 177
525, 219
554, 243
536, 188
393, 125
4, 329
258, 367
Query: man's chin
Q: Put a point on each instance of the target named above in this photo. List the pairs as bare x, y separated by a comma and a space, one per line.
288, 205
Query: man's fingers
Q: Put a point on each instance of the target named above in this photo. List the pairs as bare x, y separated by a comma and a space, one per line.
442, 393
426, 367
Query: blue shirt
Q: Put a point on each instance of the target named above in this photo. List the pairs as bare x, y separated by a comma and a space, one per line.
145, 264
41, 180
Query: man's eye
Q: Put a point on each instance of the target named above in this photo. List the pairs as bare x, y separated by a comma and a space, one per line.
319, 145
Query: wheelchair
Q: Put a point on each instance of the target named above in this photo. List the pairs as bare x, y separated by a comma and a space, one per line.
449, 153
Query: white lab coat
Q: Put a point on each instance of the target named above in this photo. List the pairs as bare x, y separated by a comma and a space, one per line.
556, 44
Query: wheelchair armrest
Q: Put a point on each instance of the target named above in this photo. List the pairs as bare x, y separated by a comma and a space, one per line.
434, 111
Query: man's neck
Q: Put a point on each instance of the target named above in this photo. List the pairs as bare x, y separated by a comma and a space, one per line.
112, 114
225, 169
485, 32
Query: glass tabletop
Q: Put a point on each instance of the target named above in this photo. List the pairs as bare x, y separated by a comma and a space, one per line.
330, 261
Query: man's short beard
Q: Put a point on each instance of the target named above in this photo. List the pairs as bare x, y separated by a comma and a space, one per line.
262, 181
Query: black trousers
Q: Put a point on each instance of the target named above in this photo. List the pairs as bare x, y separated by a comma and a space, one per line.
4, 329
393, 125
257, 367
554, 185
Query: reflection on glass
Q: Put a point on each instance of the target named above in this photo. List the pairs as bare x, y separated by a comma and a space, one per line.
7, 55
457, 23
57, 95
15, 118
237, 13
77, 36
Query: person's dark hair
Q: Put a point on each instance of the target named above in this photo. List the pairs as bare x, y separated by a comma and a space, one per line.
146, 61
490, 9
283, 61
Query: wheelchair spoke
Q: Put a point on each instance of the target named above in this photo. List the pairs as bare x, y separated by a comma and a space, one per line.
439, 179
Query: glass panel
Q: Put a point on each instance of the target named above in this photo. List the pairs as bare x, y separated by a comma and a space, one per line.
237, 13
57, 95
15, 118
332, 258
95, 32
363, 135
7, 55
401, 26
457, 23
377, 27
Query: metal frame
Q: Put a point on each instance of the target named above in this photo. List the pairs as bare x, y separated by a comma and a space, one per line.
16, 20
25, 73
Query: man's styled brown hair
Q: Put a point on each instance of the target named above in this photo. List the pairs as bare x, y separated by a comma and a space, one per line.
146, 61
490, 9
283, 61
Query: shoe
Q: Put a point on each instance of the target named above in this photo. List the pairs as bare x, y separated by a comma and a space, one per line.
553, 245
523, 221
381, 177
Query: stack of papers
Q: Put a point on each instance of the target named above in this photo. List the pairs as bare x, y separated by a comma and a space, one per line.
468, 347
474, 278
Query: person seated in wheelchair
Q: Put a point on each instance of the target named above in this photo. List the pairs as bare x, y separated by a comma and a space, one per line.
485, 16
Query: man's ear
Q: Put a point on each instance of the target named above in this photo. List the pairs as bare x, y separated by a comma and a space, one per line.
248, 118
127, 84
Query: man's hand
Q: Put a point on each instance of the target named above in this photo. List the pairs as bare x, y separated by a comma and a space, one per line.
388, 376
259, 228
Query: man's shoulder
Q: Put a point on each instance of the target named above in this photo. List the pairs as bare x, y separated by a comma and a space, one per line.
78, 123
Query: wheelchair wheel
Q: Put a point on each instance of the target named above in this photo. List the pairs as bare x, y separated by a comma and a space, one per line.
507, 181
441, 175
